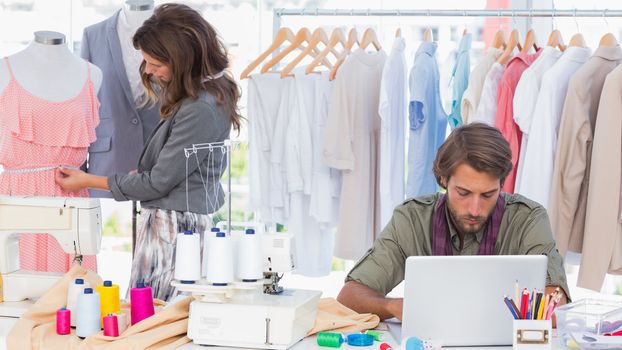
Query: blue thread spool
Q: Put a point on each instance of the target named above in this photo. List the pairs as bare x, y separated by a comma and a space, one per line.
87, 319
360, 339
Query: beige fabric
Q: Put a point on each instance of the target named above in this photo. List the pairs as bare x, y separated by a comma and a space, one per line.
36, 329
574, 149
333, 316
602, 251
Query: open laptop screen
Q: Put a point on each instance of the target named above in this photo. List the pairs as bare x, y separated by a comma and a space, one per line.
458, 300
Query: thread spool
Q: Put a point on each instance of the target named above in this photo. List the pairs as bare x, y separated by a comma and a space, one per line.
188, 257
111, 326
207, 237
109, 299
76, 288
385, 346
250, 256
378, 336
220, 260
141, 303
360, 339
87, 319
329, 339
63, 321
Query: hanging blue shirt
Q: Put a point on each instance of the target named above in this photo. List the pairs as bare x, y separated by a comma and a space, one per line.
428, 121
460, 76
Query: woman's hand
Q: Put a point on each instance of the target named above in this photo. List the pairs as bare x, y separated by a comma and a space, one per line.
71, 180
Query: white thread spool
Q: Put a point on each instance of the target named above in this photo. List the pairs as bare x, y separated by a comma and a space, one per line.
87, 320
207, 237
75, 289
220, 260
250, 257
188, 257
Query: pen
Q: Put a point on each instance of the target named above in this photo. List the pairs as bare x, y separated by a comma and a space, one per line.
529, 305
541, 305
547, 298
514, 307
534, 301
523, 304
507, 303
516, 291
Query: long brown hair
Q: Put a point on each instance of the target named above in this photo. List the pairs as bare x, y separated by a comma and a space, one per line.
480, 146
179, 37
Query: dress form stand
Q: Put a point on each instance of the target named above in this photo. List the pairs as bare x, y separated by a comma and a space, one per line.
131, 17
49, 92
47, 69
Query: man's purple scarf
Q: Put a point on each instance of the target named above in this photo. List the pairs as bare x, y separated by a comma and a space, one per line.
441, 238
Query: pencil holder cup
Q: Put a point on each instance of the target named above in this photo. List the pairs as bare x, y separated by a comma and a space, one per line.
532, 335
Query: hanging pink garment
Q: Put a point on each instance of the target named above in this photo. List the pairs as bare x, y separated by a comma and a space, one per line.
36, 136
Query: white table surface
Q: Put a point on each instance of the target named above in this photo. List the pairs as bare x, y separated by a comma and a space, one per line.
306, 344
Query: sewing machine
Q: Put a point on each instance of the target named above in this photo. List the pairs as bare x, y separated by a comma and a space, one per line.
74, 222
260, 315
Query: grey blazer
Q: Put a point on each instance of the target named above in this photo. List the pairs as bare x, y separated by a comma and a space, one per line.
161, 178
123, 128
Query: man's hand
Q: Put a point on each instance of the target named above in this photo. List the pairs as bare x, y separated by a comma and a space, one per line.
364, 299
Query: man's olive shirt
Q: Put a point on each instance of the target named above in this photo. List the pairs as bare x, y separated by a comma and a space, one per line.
524, 230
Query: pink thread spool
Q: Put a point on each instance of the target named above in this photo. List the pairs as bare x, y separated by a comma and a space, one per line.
63, 321
141, 303
111, 326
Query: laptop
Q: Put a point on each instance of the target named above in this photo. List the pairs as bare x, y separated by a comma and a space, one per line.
458, 300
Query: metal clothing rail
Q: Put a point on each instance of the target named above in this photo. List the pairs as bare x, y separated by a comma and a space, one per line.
279, 13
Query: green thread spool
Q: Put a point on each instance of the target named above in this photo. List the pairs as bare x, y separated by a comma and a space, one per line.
376, 334
328, 339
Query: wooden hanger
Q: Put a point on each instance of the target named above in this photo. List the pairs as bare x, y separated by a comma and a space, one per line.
498, 41
608, 40
428, 36
369, 37
352, 39
319, 36
577, 40
555, 40
303, 35
338, 36
530, 40
511, 45
398, 32
284, 34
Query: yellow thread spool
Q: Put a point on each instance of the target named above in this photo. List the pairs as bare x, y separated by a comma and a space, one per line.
109, 299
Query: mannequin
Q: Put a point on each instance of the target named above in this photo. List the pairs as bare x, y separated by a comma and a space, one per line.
46, 62
46, 85
132, 16
125, 124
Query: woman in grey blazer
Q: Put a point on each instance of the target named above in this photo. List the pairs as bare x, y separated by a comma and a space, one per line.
187, 61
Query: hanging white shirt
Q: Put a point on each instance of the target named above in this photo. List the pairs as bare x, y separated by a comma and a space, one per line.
264, 98
392, 111
326, 182
314, 242
473, 93
132, 58
487, 108
351, 144
537, 170
525, 98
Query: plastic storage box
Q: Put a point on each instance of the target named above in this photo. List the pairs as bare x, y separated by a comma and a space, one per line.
588, 319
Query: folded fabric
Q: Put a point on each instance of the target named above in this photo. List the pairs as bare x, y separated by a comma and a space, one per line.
36, 329
333, 316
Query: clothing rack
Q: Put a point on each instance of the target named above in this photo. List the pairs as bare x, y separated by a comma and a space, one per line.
228, 145
279, 13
